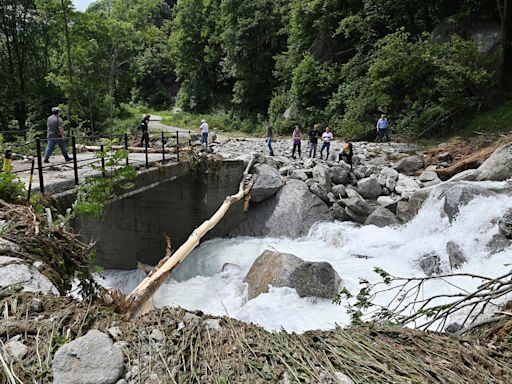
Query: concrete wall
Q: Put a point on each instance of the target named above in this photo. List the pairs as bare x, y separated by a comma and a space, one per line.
133, 228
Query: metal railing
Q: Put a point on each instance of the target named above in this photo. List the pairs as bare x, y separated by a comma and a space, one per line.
34, 148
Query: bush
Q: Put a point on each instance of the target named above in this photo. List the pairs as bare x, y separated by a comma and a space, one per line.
12, 189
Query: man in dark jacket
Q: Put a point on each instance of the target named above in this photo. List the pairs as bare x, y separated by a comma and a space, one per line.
313, 134
144, 127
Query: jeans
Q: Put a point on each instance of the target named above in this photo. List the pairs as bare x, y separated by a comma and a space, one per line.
346, 158
324, 146
269, 143
383, 132
296, 145
51, 146
145, 137
204, 138
312, 148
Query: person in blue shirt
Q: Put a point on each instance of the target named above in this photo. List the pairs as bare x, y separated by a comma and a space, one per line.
382, 127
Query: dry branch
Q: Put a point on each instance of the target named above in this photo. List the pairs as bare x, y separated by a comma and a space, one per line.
146, 289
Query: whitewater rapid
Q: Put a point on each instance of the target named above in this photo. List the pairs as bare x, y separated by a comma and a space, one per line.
211, 278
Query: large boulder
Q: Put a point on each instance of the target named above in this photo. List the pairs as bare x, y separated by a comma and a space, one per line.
406, 185
17, 272
497, 167
321, 174
369, 188
381, 217
340, 174
505, 224
291, 213
286, 270
268, 182
458, 195
409, 165
497, 244
319, 190
90, 359
430, 263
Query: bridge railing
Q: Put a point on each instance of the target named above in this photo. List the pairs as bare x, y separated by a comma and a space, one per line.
166, 143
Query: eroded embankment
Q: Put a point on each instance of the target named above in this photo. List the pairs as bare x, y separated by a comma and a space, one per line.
175, 346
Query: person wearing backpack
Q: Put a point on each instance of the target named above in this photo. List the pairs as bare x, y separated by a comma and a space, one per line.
313, 134
144, 128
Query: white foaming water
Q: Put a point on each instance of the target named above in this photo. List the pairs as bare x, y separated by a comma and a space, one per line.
211, 278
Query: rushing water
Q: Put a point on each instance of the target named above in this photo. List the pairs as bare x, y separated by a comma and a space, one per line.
211, 278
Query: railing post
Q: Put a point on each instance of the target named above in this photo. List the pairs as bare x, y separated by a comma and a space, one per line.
146, 139
163, 146
75, 163
40, 165
177, 146
189, 141
126, 148
102, 161
30, 180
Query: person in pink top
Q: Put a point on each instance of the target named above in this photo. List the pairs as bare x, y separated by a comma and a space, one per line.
296, 140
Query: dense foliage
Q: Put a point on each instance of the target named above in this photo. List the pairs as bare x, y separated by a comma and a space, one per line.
339, 63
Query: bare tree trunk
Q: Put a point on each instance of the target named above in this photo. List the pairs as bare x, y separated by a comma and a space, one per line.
135, 302
70, 66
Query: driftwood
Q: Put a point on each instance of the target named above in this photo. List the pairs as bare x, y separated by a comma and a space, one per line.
142, 294
470, 162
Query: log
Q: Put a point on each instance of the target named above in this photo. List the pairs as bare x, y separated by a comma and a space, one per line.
469, 162
136, 300
96, 148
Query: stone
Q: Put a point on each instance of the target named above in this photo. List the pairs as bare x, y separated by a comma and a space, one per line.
212, 325
90, 359
309, 163
320, 191
427, 176
369, 188
355, 216
122, 381
15, 350
430, 264
331, 198
498, 244
456, 255
116, 333
268, 182
457, 195
290, 213
498, 166
321, 174
385, 200
299, 174
505, 224
467, 175
286, 270
381, 217
358, 205
157, 335
391, 184
342, 378
359, 172
339, 213
409, 165
406, 184
36, 305
17, 272
388, 172
190, 317
340, 173
404, 212
339, 191
453, 328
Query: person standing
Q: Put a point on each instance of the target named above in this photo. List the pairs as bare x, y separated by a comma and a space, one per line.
383, 127
296, 140
204, 133
326, 139
55, 135
144, 128
313, 134
346, 153
270, 137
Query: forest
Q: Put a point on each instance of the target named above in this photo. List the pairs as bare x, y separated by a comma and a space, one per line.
337, 63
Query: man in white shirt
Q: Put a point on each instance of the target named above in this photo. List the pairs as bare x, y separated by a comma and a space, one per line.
326, 138
204, 133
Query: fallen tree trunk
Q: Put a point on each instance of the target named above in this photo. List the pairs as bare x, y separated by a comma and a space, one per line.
137, 299
470, 162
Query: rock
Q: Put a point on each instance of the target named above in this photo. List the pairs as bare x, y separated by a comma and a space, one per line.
320, 191
391, 184
453, 328
299, 174
381, 217
291, 213
404, 212
498, 244
467, 175
359, 172
122, 381
406, 184
385, 200
354, 216
309, 163
340, 174
485, 34
430, 264
339, 213
116, 333
427, 176
90, 359
458, 195
358, 205
287, 270
15, 350
498, 166
505, 224
339, 191
455, 255
409, 165
331, 198
388, 172
157, 335
369, 188
16, 272
268, 182
321, 174
190, 317
212, 325
212, 137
